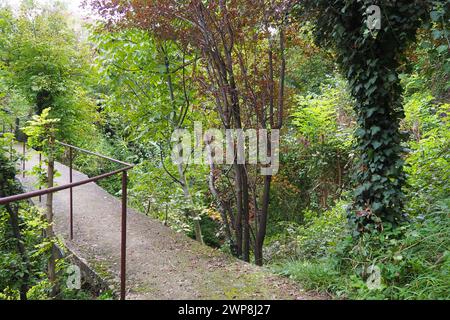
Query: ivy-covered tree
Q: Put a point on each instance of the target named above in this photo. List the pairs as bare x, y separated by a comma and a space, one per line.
370, 49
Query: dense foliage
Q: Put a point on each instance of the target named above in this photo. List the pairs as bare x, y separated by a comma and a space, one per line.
359, 207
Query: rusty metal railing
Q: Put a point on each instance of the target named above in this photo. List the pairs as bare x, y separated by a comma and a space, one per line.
39, 193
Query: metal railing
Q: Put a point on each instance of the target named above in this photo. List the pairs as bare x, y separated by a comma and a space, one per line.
39, 193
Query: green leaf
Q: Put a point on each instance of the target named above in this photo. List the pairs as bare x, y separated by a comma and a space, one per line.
436, 34
375, 130
442, 48
376, 144
436, 15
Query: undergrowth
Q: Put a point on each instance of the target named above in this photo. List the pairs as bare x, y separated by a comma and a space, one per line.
413, 261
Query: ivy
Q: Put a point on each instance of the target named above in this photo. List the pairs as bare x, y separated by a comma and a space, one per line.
370, 60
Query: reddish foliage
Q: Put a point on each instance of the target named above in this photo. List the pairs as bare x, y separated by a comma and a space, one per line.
242, 48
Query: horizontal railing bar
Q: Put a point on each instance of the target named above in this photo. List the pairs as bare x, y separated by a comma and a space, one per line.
95, 154
37, 193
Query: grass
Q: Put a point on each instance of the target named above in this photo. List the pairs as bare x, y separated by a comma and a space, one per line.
414, 262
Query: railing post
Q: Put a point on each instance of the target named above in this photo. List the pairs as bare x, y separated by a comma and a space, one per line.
123, 243
23, 160
40, 169
11, 146
71, 193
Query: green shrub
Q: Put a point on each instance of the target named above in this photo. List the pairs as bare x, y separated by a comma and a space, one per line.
12, 268
413, 260
210, 231
316, 275
428, 165
317, 236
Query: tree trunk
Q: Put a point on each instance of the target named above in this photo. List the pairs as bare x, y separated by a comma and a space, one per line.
222, 209
238, 218
261, 233
49, 217
245, 216
188, 197
339, 172
241, 174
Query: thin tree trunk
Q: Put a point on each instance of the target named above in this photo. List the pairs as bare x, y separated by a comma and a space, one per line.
221, 207
182, 176
339, 171
188, 197
149, 204
166, 217
49, 230
245, 216
261, 234
241, 174
238, 218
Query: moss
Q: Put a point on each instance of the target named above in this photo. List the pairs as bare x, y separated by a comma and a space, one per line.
238, 283
100, 269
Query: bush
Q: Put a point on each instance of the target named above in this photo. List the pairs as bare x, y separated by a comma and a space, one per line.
428, 165
413, 260
317, 236
13, 268
317, 275
210, 231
